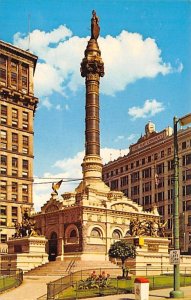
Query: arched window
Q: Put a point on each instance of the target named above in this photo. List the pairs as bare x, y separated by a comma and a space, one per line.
116, 234
96, 233
73, 233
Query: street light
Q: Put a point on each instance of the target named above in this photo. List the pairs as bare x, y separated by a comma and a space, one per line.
177, 293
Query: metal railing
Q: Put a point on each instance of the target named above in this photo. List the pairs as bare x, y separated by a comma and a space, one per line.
55, 289
10, 278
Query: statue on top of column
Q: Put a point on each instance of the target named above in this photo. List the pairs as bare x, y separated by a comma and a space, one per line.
95, 29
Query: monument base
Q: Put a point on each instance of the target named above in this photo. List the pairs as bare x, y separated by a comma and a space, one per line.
25, 253
152, 256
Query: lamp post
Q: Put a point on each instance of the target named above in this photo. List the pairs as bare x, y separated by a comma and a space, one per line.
177, 293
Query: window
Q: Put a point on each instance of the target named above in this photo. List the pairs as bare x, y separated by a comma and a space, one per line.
162, 154
14, 162
25, 198
124, 180
114, 185
3, 170
25, 120
14, 138
25, 150
125, 192
189, 220
146, 173
14, 187
147, 186
186, 190
143, 161
3, 69
126, 168
170, 194
149, 158
14, 142
25, 174
155, 156
3, 210
186, 159
169, 151
147, 200
135, 190
96, 233
14, 197
3, 135
3, 238
160, 168
14, 74
132, 165
25, 116
25, 164
184, 145
3, 186
25, 188
170, 165
116, 234
186, 175
3, 114
137, 163
116, 172
25, 140
14, 173
3, 160
134, 177
14, 117
24, 78
121, 169
14, 211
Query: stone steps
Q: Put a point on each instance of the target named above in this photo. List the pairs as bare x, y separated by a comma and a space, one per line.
61, 268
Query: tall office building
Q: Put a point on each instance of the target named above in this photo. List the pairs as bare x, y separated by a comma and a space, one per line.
146, 175
17, 108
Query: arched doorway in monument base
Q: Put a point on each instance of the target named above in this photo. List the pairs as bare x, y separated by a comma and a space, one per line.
52, 245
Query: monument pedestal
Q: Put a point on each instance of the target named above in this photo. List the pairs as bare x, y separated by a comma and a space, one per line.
25, 253
152, 255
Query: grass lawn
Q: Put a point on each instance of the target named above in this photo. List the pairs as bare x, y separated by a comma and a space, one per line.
7, 282
121, 286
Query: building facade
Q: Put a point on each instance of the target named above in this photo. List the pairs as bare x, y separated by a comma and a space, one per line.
146, 173
17, 108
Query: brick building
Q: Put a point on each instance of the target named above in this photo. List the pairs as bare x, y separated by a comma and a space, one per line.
145, 175
17, 107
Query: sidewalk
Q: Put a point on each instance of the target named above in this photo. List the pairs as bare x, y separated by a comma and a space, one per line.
35, 286
162, 294
32, 288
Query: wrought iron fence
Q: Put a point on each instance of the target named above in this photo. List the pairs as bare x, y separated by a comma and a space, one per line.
10, 278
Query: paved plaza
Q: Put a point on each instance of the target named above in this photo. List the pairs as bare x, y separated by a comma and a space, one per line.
35, 286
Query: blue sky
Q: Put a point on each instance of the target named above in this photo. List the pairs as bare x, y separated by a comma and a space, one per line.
146, 48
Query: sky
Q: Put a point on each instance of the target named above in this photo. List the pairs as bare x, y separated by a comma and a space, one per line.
146, 49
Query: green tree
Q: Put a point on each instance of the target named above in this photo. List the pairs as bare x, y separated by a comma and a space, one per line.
123, 251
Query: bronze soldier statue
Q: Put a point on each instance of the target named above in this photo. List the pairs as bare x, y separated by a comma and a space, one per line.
95, 29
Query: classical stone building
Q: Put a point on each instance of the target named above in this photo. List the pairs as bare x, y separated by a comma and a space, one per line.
17, 107
146, 173
85, 222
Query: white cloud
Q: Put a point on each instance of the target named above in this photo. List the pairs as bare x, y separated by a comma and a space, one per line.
132, 137
150, 108
119, 138
128, 58
46, 102
68, 168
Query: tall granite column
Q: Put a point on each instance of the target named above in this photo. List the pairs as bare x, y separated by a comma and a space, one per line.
92, 68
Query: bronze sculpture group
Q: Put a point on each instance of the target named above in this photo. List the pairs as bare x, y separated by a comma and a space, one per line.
26, 228
151, 227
